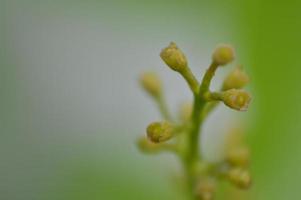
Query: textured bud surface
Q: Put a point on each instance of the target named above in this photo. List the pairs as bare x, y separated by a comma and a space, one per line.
159, 131
240, 177
174, 57
205, 189
236, 99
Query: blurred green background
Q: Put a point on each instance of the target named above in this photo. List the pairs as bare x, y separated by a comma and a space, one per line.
71, 107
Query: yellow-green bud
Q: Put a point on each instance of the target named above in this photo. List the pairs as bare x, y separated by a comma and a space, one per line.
174, 57
143, 144
235, 138
236, 79
239, 156
146, 146
236, 99
205, 189
223, 55
151, 83
159, 131
240, 177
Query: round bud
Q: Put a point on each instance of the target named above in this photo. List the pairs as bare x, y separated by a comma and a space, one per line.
223, 55
239, 156
205, 189
159, 131
236, 99
174, 57
240, 177
151, 83
236, 79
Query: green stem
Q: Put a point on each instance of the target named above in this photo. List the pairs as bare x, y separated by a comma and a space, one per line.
212, 96
195, 128
191, 80
211, 106
163, 108
192, 156
199, 104
207, 78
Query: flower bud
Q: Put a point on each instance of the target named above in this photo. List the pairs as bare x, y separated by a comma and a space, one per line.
239, 156
236, 79
236, 99
159, 131
240, 177
205, 189
235, 138
223, 55
146, 146
185, 112
174, 57
151, 83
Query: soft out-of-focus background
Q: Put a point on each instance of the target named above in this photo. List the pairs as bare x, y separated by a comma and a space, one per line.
71, 107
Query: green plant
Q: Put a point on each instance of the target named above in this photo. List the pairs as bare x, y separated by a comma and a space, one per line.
182, 136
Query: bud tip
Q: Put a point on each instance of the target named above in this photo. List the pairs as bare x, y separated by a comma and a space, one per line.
223, 55
174, 57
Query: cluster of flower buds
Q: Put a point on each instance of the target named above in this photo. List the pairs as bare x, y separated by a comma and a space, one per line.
181, 136
237, 160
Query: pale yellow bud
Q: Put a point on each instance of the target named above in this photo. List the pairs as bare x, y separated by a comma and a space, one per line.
174, 57
151, 83
223, 55
205, 189
159, 131
235, 138
236, 99
239, 156
185, 111
145, 145
240, 177
236, 79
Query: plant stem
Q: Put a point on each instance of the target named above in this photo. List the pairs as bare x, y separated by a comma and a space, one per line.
163, 108
191, 80
207, 78
192, 153
192, 156
211, 106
